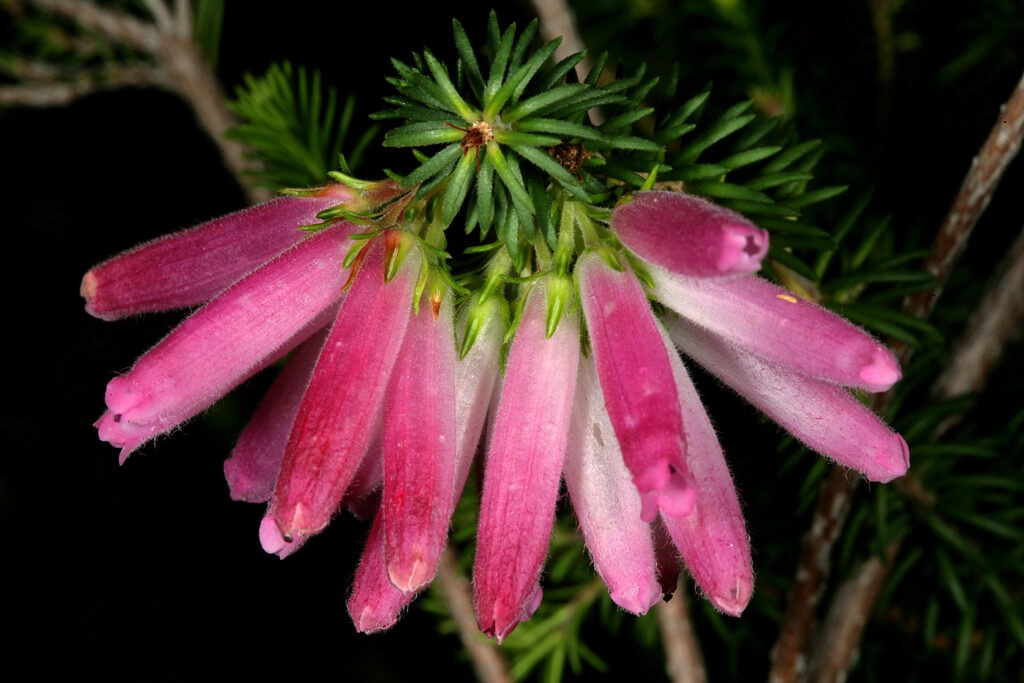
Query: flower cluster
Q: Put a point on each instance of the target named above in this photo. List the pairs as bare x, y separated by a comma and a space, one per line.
376, 410
544, 361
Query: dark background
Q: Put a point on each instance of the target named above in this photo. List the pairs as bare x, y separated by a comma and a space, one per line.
149, 572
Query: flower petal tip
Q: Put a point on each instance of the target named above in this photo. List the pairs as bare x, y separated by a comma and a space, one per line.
504, 617
411, 579
370, 621
880, 371
676, 498
270, 536
241, 484
637, 598
891, 462
90, 285
109, 429
734, 599
297, 524
744, 246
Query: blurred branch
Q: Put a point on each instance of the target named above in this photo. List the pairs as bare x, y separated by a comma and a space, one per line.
847, 618
557, 20
683, 659
177, 66
48, 87
488, 662
790, 657
997, 320
986, 171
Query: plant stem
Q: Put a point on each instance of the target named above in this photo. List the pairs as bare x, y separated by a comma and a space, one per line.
488, 662
684, 661
179, 68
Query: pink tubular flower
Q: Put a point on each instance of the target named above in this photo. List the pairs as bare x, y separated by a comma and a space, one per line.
419, 449
524, 467
791, 358
252, 469
713, 540
377, 413
253, 323
689, 235
607, 502
190, 267
334, 424
639, 389
823, 416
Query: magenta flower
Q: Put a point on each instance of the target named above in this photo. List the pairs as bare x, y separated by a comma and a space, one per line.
394, 379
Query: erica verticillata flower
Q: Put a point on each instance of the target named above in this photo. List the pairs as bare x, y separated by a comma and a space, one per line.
543, 350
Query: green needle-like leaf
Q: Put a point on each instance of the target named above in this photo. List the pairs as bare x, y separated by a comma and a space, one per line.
454, 99
440, 163
458, 187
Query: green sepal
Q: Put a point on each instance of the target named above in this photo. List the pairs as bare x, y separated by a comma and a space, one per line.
558, 293
394, 259
484, 310
361, 241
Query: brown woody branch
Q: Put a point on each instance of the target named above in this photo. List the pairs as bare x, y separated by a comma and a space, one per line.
790, 660
177, 66
684, 661
488, 662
